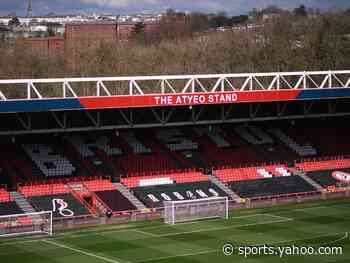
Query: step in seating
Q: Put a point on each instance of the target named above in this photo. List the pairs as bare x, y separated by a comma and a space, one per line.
115, 201
324, 177
214, 135
271, 186
9, 208
175, 140
253, 135
250, 173
161, 178
137, 146
302, 150
63, 205
51, 163
153, 196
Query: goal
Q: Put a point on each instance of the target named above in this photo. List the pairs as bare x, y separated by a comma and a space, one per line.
190, 210
26, 224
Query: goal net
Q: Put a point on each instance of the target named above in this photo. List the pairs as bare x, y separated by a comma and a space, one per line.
26, 224
190, 210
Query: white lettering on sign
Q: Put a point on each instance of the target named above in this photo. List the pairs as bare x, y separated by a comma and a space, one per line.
164, 100
153, 198
213, 192
201, 193
179, 196
165, 197
195, 99
190, 195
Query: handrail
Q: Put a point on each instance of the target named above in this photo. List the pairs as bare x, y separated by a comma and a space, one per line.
91, 209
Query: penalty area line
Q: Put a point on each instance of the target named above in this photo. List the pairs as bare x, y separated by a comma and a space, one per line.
226, 227
178, 256
80, 251
144, 232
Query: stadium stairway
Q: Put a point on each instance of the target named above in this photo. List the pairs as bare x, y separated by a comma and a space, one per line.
22, 202
223, 187
306, 178
126, 192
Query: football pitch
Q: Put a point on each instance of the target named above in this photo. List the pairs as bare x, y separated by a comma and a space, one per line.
315, 224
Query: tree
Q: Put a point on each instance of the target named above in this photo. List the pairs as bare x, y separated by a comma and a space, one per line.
219, 20
272, 9
139, 32
50, 32
255, 14
300, 11
173, 25
238, 19
139, 28
196, 22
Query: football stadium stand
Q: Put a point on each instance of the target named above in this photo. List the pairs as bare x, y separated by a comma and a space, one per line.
4, 195
109, 196
156, 165
251, 173
163, 177
43, 189
62, 205
115, 201
321, 170
7, 205
114, 145
268, 180
50, 163
99, 185
9, 208
271, 186
153, 196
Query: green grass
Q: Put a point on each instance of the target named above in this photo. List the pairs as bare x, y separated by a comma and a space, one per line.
317, 223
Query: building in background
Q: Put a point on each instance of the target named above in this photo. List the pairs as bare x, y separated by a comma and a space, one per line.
30, 9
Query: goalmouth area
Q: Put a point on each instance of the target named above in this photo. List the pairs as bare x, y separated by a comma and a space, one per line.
320, 223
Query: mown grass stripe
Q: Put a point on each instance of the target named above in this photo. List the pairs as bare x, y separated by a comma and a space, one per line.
80, 251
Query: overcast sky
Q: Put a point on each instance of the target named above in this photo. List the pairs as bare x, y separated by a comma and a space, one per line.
235, 7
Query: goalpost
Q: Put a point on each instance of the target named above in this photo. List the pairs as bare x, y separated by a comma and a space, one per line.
190, 210
26, 224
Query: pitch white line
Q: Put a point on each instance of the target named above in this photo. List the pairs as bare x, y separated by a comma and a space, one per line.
80, 251
177, 256
271, 243
144, 233
225, 227
346, 235
205, 221
126, 228
311, 208
277, 216
76, 235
